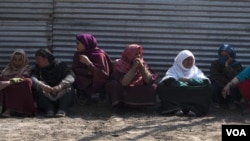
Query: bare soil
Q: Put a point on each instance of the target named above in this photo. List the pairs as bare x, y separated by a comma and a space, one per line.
101, 122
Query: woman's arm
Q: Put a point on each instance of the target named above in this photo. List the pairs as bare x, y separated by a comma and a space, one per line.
243, 75
4, 84
226, 90
128, 77
147, 76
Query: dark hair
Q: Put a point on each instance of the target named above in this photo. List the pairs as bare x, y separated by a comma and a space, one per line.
45, 53
18, 53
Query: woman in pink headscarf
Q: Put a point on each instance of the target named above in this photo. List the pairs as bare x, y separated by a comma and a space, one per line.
92, 67
15, 89
133, 82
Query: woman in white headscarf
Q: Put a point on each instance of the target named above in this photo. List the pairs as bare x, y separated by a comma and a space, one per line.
185, 89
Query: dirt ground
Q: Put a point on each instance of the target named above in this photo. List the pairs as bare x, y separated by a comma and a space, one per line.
101, 122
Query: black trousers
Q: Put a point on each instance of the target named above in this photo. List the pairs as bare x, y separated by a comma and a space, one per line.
218, 98
196, 99
63, 103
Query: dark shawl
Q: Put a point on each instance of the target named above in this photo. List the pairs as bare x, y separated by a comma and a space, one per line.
52, 74
220, 74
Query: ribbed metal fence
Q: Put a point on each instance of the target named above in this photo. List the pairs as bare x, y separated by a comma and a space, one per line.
25, 24
162, 27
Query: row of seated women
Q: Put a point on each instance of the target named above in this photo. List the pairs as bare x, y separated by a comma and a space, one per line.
50, 85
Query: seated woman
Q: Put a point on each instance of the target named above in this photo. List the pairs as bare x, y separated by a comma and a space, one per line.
15, 90
92, 68
52, 83
222, 70
184, 89
242, 81
132, 82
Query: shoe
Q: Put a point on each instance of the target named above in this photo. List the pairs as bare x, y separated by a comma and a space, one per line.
191, 113
6, 114
246, 111
232, 106
91, 101
95, 98
60, 113
1, 109
50, 113
179, 113
95, 95
216, 105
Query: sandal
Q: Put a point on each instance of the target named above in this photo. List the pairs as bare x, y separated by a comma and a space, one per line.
50, 113
191, 113
179, 113
60, 113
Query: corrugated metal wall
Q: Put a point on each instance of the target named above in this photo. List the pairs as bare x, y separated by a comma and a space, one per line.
25, 24
162, 27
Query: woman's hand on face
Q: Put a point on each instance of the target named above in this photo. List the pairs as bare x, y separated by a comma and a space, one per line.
229, 61
84, 59
137, 62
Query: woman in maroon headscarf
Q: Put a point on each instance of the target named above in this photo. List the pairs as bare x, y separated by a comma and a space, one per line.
92, 67
15, 89
133, 83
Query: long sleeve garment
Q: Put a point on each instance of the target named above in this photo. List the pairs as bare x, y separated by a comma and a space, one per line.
221, 74
92, 78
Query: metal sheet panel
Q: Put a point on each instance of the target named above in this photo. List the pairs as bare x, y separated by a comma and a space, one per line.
162, 27
24, 24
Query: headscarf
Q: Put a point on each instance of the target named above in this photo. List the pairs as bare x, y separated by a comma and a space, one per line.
91, 51
45, 53
126, 61
90, 43
178, 71
11, 71
230, 50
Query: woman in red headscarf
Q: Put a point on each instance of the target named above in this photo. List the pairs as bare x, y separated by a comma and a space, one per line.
133, 82
92, 67
15, 89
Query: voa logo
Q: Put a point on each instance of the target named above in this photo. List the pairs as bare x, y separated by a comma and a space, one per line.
236, 132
